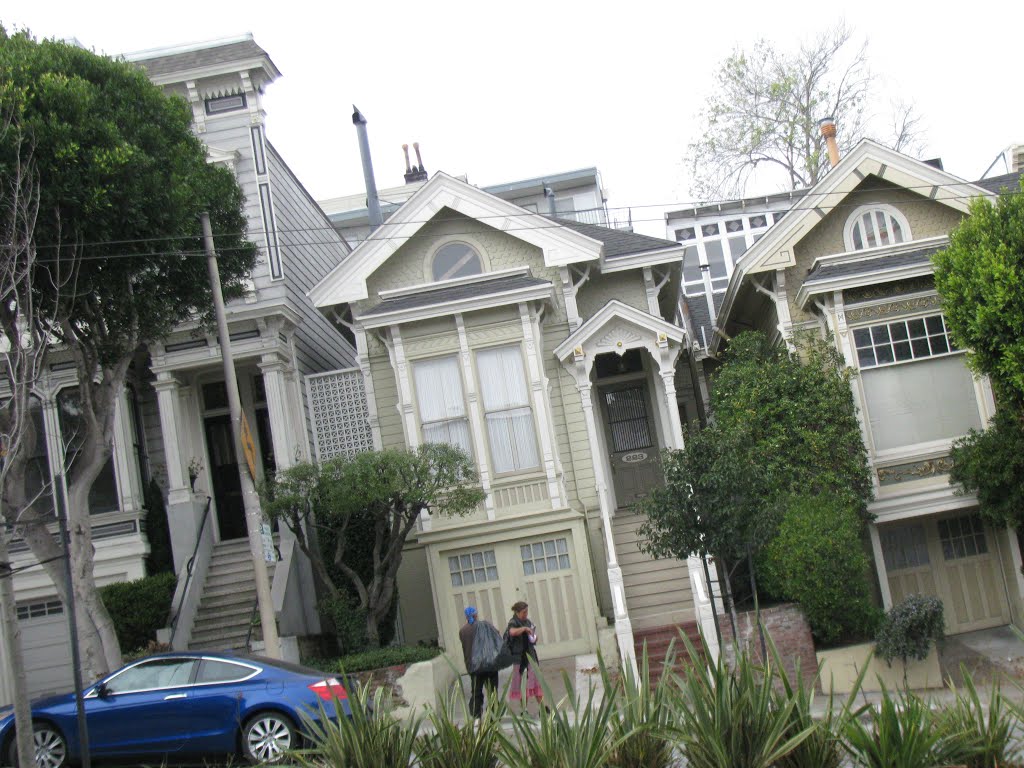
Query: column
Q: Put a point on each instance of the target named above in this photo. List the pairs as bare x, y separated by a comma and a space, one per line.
669, 355
883, 577
623, 626
169, 403
541, 410
126, 467
476, 417
276, 387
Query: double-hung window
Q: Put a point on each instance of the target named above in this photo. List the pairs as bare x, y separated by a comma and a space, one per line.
442, 406
507, 411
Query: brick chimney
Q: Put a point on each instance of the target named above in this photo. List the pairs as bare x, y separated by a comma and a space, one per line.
828, 130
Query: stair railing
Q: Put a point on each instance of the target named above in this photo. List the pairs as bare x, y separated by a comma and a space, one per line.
188, 572
252, 623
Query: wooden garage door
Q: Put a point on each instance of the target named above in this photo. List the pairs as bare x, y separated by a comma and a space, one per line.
542, 571
954, 559
44, 643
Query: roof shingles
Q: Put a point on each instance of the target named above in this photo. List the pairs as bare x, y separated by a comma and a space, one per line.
454, 293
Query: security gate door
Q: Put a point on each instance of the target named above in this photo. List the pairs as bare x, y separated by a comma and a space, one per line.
633, 452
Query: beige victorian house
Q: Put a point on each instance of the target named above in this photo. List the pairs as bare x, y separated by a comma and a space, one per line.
552, 352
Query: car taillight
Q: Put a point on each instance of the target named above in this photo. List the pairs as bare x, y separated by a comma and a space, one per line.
328, 689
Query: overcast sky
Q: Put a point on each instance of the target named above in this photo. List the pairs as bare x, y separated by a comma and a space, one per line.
502, 92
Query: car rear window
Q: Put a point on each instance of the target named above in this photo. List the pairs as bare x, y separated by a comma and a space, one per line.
213, 671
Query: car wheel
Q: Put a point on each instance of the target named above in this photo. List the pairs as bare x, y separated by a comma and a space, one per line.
51, 749
266, 737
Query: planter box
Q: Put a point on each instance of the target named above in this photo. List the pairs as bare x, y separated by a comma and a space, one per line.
840, 667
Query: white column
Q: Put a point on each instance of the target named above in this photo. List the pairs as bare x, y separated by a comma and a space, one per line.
623, 626
883, 577
126, 467
476, 417
281, 429
782, 309
406, 407
651, 288
168, 401
540, 407
363, 361
669, 356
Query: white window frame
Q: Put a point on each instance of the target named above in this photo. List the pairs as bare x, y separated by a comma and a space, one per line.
488, 413
463, 417
855, 223
916, 354
473, 247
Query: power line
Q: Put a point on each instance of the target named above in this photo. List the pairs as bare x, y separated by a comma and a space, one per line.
556, 224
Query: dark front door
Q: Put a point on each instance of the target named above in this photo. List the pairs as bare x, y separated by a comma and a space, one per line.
227, 487
634, 454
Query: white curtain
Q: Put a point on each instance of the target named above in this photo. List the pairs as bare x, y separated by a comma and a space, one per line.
506, 400
442, 407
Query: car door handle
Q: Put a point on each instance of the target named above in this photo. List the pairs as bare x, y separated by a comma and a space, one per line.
176, 696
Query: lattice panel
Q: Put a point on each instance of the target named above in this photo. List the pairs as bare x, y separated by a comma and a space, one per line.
341, 418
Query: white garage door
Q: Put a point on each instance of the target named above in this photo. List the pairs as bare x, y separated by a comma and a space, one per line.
44, 642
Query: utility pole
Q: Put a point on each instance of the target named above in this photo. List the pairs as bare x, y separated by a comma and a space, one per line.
253, 513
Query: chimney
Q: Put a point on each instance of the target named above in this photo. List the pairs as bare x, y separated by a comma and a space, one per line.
1016, 152
372, 199
416, 172
828, 130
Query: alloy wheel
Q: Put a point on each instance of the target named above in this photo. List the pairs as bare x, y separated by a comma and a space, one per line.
267, 738
51, 751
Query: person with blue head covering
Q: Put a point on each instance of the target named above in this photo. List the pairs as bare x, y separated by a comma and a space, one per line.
488, 679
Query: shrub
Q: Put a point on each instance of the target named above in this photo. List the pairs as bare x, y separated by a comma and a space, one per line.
910, 628
139, 608
160, 558
349, 621
385, 657
817, 558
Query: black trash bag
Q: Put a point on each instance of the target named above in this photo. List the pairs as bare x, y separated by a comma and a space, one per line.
491, 652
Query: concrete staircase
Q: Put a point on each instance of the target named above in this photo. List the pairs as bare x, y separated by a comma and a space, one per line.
658, 592
229, 594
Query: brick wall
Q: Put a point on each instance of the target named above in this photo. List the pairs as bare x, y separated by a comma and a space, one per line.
789, 631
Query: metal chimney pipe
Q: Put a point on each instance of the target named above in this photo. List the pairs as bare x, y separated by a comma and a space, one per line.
405, 148
372, 199
419, 157
828, 130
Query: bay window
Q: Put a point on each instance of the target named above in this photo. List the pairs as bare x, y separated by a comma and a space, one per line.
507, 411
103, 496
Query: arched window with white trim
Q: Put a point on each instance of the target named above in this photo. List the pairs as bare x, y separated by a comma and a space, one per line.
456, 260
874, 226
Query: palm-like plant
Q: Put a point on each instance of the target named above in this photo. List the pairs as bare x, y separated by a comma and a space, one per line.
732, 718
370, 738
902, 732
644, 728
470, 745
989, 731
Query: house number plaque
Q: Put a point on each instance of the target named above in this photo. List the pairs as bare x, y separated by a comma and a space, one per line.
633, 458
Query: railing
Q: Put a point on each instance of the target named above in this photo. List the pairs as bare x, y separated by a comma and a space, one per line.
188, 571
598, 216
252, 623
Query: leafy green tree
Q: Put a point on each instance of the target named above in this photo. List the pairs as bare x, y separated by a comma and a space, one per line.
981, 279
798, 415
376, 496
990, 463
765, 109
817, 559
121, 183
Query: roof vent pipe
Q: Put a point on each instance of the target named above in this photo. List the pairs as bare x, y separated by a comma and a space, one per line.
828, 130
405, 149
372, 199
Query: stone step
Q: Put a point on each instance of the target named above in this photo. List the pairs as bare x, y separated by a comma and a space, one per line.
236, 597
210, 638
658, 640
237, 612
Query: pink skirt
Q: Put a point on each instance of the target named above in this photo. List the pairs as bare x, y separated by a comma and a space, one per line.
532, 685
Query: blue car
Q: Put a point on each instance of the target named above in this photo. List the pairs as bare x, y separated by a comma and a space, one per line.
177, 706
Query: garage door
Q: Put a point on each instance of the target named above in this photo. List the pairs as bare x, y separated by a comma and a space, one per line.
542, 571
953, 558
44, 643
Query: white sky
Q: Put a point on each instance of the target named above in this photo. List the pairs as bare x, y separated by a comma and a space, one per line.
502, 94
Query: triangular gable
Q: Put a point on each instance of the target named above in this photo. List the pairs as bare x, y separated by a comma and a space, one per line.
776, 250
560, 245
612, 312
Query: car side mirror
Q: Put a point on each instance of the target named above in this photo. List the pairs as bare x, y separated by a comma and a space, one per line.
102, 691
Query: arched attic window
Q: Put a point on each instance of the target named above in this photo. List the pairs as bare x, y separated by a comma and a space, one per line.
873, 226
455, 260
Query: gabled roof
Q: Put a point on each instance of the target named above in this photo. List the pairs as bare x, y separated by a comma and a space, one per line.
619, 243
776, 249
617, 310
996, 184
559, 244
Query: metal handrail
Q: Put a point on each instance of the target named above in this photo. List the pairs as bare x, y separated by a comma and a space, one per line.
252, 623
188, 569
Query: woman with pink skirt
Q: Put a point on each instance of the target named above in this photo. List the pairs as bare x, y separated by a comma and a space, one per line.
523, 635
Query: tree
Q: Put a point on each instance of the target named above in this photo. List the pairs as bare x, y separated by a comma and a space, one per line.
980, 277
122, 181
766, 108
381, 493
23, 360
